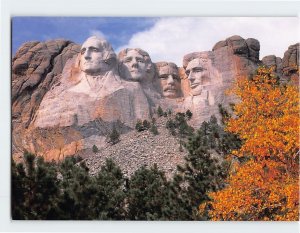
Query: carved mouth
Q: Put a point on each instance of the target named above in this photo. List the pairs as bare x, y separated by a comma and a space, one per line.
194, 85
170, 89
134, 70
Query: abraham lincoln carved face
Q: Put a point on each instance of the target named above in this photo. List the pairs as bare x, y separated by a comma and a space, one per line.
198, 75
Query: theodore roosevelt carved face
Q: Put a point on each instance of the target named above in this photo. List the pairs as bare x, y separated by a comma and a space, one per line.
97, 56
169, 79
198, 75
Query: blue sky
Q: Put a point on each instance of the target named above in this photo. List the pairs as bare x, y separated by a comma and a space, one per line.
117, 30
165, 38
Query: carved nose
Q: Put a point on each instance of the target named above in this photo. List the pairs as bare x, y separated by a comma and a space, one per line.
170, 79
191, 76
87, 55
134, 63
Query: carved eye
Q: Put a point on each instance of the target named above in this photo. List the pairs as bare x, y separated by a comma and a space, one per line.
95, 49
187, 72
126, 60
198, 69
140, 60
163, 76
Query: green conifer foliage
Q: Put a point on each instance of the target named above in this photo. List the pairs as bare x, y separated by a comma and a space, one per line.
160, 112
78, 190
205, 169
114, 136
109, 203
36, 186
153, 129
146, 195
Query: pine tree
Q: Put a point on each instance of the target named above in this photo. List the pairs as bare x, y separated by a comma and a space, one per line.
114, 136
171, 126
153, 129
146, 195
78, 191
95, 149
146, 124
139, 126
18, 190
109, 203
37, 186
189, 114
203, 172
160, 112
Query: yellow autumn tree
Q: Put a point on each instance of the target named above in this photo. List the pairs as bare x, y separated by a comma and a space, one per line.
266, 186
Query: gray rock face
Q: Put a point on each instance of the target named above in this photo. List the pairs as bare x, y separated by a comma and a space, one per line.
67, 99
290, 62
274, 61
286, 68
247, 48
35, 68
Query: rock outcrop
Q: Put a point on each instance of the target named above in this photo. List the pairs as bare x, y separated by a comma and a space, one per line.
287, 68
36, 67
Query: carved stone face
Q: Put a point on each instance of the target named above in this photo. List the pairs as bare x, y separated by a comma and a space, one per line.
135, 66
169, 80
198, 75
97, 56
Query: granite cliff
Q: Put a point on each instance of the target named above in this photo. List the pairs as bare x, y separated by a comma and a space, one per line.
63, 103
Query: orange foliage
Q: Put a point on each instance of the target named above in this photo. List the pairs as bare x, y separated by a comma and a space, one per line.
265, 187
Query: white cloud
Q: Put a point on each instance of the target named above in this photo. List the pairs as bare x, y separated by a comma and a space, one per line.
171, 38
97, 33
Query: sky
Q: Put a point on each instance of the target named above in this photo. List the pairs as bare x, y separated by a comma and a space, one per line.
165, 38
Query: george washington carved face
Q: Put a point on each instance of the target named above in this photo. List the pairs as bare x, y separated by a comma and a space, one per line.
97, 56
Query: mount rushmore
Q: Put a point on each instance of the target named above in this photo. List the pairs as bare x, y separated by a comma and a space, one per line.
67, 98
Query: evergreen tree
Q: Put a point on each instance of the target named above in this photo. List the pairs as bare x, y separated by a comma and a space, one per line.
153, 120
160, 112
171, 126
18, 190
153, 129
95, 149
114, 136
78, 191
37, 186
203, 172
179, 126
146, 124
109, 203
139, 126
148, 189
224, 113
189, 114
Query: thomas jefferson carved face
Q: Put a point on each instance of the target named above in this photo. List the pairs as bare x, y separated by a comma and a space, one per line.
198, 75
136, 64
169, 79
97, 56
